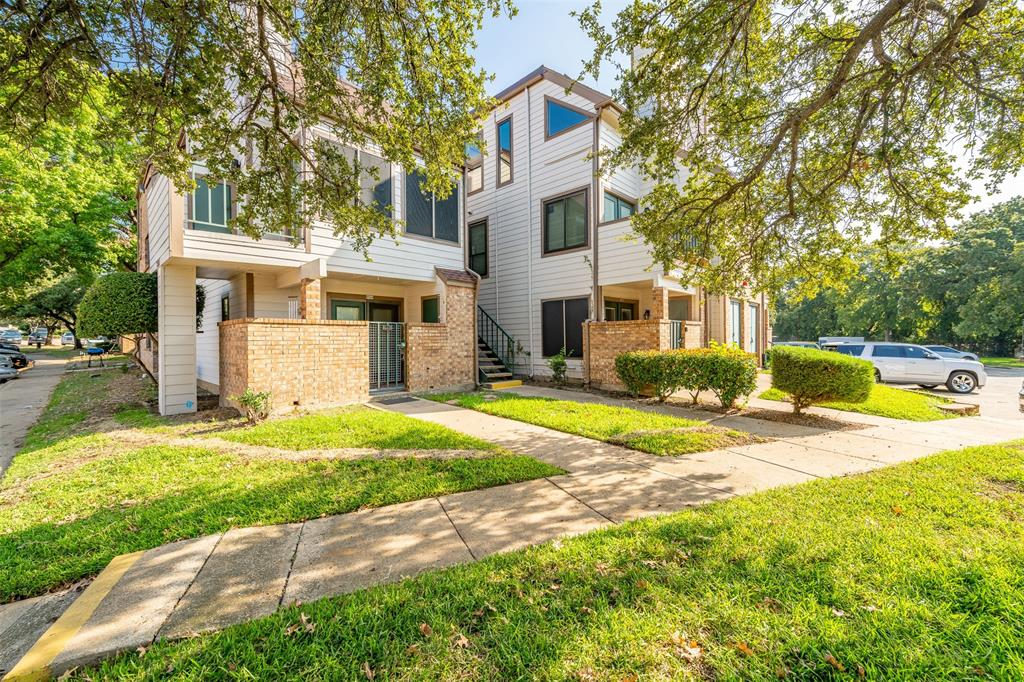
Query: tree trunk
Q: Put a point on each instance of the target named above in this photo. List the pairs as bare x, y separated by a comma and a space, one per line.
138, 361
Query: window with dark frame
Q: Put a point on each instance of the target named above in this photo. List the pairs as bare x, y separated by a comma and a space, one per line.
474, 168
620, 311
565, 222
430, 309
478, 248
225, 308
560, 117
562, 326
504, 156
428, 216
617, 208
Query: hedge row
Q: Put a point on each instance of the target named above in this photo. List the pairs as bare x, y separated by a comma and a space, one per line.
812, 376
725, 370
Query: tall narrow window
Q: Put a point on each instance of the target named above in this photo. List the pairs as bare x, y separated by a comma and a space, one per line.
560, 117
210, 206
474, 168
505, 151
375, 182
617, 208
562, 326
478, 248
428, 216
565, 222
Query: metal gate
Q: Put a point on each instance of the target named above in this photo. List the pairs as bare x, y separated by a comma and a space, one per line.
387, 355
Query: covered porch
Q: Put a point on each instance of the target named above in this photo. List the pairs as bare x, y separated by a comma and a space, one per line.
313, 337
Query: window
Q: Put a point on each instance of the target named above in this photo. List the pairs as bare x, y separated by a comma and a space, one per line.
225, 308
617, 208
560, 117
619, 311
478, 248
848, 349
374, 176
887, 352
562, 326
679, 308
210, 206
565, 222
428, 216
430, 309
474, 168
752, 336
916, 353
735, 322
504, 135
348, 310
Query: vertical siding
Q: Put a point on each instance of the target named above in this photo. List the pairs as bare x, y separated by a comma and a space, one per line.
177, 323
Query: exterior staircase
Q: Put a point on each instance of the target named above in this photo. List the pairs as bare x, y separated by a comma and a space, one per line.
496, 353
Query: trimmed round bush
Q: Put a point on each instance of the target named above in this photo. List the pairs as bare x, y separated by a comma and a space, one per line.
725, 370
119, 304
812, 376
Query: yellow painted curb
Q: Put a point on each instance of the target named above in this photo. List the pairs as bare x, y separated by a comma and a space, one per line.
498, 385
34, 664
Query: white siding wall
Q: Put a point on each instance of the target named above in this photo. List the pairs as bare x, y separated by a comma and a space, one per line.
158, 215
521, 277
208, 340
176, 315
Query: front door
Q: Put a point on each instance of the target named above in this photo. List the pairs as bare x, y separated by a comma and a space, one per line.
383, 312
387, 355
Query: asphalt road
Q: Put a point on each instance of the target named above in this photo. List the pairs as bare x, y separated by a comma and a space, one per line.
999, 397
23, 400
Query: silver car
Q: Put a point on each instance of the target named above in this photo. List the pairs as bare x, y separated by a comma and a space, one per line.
908, 363
7, 370
948, 352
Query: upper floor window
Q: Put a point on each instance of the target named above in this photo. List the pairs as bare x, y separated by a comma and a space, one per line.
374, 177
478, 248
504, 135
560, 117
617, 208
474, 168
211, 206
428, 216
565, 222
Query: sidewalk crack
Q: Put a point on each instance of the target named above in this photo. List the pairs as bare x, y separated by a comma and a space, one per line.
186, 590
457, 531
606, 518
291, 566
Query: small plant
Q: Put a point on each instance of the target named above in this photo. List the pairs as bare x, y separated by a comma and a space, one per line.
558, 366
816, 376
256, 404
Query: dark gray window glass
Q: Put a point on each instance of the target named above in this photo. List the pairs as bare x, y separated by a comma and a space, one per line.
848, 349
376, 191
887, 352
478, 248
562, 326
565, 223
418, 206
446, 217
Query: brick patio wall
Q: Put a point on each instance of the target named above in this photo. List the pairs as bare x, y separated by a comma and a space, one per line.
604, 341
303, 363
443, 355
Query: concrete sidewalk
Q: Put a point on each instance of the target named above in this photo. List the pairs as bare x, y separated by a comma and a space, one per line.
22, 402
209, 583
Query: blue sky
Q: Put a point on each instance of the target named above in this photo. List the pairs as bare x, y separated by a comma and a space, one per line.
544, 33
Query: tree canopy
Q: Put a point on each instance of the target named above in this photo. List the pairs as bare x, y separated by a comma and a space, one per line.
55, 303
808, 127
241, 85
967, 290
67, 199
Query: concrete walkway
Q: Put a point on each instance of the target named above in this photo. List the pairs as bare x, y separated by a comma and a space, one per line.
22, 402
209, 583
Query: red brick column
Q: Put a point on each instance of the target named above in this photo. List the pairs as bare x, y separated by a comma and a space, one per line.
309, 299
659, 303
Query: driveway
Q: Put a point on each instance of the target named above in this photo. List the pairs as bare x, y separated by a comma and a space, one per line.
22, 402
999, 396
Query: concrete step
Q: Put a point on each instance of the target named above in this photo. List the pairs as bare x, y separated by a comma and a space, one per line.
501, 385
497, 375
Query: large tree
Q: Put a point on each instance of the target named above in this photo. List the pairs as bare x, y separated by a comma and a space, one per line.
67, 199
808, 127
54, 304
240, 84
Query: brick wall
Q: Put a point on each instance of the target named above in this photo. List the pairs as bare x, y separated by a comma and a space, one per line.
443, 355
306, 363
604, 341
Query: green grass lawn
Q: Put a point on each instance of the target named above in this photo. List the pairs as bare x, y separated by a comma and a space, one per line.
651, 432
1002, 362
78, 494
63, 352
913, 572
886, 401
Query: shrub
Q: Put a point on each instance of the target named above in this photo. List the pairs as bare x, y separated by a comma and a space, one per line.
725, 370
558, 366
119, 304
812, 376
256, 404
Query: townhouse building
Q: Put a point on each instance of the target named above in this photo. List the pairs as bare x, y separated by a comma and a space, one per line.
306, 316
551, 240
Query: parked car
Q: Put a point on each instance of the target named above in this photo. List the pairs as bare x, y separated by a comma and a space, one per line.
18, 358
11, 336
947, 352
7, 370
67, 339
10, 346
908, 363
798, 344
39, 335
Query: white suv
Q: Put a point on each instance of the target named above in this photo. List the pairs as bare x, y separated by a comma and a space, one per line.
908, 363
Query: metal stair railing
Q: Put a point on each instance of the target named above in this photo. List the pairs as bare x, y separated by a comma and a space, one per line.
500, 342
